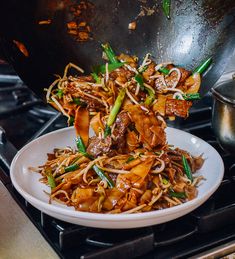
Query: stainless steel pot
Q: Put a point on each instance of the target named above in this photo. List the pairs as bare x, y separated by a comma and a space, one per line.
223, 114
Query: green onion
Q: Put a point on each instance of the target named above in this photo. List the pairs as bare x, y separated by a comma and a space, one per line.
164, 70
60, 93
96, 78
80, 145
203, 67
187, 168
71, 168
150, 98
166, 5
192, 97
77, 100
71, 120
164, 180
103, 176
82, 148
107, 131
116, 107
50, 179
131, 158
143, 69
109, 53
139, 79
111, 67
179, 195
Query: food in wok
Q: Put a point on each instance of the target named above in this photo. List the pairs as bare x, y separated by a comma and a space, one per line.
127, 166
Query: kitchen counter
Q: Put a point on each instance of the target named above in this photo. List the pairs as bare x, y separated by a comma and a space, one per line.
18, 236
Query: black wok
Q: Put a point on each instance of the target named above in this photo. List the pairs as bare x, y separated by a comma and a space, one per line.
196, 31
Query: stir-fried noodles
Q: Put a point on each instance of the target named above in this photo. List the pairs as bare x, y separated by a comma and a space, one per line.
127, 166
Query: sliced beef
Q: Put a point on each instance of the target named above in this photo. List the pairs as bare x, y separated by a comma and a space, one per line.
122, 122
122, 75
98, 146
149, 71
92, 103
173, 76
176, 107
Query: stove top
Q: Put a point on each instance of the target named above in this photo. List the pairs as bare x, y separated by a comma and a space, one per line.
23, 117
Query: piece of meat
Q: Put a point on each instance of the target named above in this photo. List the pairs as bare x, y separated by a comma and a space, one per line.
92, 103
173, 76
98, 146
176, 107
148, 126
149, 71
118, 136
197, 163
121, 74
86, 78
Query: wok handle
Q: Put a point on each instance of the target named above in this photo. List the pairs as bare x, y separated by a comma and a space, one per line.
7, 153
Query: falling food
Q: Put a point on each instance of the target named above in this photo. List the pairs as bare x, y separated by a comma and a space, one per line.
132, 25
21, 47
45, 22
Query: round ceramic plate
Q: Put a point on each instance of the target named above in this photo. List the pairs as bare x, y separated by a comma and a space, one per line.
35, 154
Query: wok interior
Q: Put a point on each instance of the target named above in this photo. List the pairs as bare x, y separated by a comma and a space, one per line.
196, 31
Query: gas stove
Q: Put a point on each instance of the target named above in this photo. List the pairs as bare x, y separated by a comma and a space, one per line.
208, 230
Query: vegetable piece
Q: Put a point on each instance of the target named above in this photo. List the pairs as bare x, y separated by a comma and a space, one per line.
131, 158
96, 78
77, 101
81, 124
164, 70
82, 148
103, 176
60, 93
50, 179
166, 5
109, 53
164, 181
71, 168
192, 97
139, 79
71, 120
107, 131
203, 67
116, 107
179, 195
150, 98
80, 145
187, 168
111, 67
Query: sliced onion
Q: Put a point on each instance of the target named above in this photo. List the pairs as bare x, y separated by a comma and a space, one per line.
178, 95
178, 76
160, 169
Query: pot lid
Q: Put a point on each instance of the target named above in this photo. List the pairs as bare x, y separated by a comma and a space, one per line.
225, 89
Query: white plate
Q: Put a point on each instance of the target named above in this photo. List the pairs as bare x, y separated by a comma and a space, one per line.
34, 154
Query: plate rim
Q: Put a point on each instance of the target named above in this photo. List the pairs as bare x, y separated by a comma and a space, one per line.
114, 217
